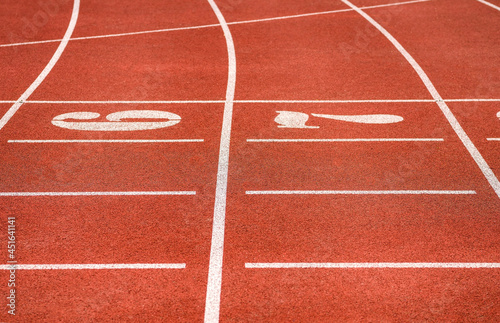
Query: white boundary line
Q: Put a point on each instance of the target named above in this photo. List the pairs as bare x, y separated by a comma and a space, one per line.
376, 265
248, 101
210, 25
489, 4
30, 141
131, 193
400, 192
214, 284
348, 140
91, 266
493, 139
60, 49
473, 151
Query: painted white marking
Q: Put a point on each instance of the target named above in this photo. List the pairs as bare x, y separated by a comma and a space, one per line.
131, 193
250, 101
210, 25
493, 139
212, 304
498, 115
369, 118
290, 119
69, 141
375, 265
473, 151
60, 49
91, 266
116, 123
401, 192
347, 140
489, 4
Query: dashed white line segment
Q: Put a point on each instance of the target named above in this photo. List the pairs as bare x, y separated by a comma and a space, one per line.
469, 145
347, 192
91, 266
349, 140
60, 49
131, 193
68, 141
376, 265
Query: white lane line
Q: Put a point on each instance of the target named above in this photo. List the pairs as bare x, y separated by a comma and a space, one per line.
473, 151
489, 4
60, 49
376, 265
250, 101
91, 266
107, 141
214, 284
131, 193
211, 25
493, 139
400, 192
348, 140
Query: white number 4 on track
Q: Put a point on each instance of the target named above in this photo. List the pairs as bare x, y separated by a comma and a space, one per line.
116, 120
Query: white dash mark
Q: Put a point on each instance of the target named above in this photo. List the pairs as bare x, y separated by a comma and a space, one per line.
291, 119
91, 266
69, 141
131, 193
369, 118
401, 192
349, 140
376, 265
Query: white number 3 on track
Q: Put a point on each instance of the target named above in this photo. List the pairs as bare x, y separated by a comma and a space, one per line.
115, 120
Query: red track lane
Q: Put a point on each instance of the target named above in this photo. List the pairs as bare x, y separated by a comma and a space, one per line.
455, 42
186, 65
106, 296
27, 21
343, 228
337, 56
111, 17
313, 58
20, 66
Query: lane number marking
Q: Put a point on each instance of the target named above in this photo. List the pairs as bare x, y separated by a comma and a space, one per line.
116, 120
297, 120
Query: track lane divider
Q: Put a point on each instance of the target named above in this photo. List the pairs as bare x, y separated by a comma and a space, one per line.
214, 283
60, 49
469, 145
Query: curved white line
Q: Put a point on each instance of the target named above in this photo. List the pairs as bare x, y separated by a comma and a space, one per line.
211, 25
71, 27
212, 305
489, 4
471, 148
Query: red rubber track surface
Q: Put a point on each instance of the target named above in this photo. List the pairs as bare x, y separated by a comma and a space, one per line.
338, 57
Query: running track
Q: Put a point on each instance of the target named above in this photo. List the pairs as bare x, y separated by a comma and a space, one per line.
252, 201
